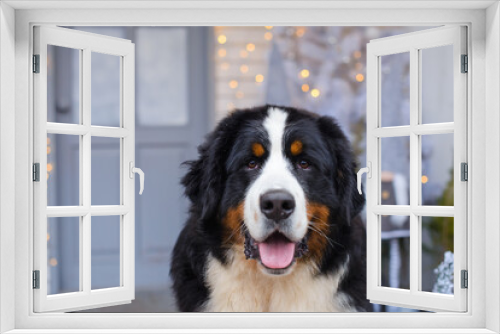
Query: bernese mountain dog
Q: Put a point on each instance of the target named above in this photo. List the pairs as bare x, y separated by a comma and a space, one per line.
273, 223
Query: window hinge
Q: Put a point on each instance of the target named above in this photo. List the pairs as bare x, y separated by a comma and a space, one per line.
36, 63
465, 64
464, 167
36, 279
465, 279
36, 172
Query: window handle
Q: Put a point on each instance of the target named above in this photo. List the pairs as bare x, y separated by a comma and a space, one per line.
139, 171
367, 170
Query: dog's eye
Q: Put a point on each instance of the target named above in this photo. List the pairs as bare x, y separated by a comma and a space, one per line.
303, 164
252, 164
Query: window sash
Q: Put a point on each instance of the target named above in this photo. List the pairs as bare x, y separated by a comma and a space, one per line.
86, 43
412, 43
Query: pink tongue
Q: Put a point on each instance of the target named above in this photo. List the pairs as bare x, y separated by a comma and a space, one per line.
277, 254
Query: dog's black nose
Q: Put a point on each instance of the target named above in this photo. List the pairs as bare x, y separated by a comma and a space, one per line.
277, 204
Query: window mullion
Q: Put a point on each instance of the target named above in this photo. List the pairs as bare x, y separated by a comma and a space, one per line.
414, 170
123, 173
85, 179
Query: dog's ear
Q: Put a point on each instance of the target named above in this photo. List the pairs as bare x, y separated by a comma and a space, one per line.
345, 174
203, 182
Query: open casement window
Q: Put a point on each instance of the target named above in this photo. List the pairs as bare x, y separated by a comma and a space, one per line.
397, 148
77, 216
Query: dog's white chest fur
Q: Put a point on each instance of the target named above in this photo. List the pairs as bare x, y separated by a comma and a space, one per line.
242, 287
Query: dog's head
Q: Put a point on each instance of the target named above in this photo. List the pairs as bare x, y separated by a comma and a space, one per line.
278, 181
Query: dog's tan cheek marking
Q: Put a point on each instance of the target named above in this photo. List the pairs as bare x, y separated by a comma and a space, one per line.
318, 216
296, 147
258, 150
232, 222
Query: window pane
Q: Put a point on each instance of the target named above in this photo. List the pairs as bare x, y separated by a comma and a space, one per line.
437, 254
437, 170
105, 171
395, 89
395, 251
395, 171
105, 89
63, 170
63, 255
437, 84
105, 261
63, 84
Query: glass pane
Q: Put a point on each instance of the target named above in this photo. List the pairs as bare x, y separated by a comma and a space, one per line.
63, 255
437, 84
437, 170
162, 82
395, 89
63, 170
63, 84
395, 171
395, 251
106, 77
105, 261
437, 254
105, 171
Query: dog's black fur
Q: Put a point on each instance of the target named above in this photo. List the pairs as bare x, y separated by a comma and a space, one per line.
216, 182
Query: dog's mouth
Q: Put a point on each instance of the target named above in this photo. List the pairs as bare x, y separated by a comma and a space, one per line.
276, 252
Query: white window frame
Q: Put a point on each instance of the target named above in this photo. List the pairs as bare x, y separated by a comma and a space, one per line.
483, 124
86, 44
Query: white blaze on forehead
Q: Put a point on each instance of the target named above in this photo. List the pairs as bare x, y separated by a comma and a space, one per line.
275, 124
277, 164
276, 174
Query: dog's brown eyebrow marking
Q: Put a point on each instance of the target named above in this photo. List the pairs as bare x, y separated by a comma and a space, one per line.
296, 147
258, 149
